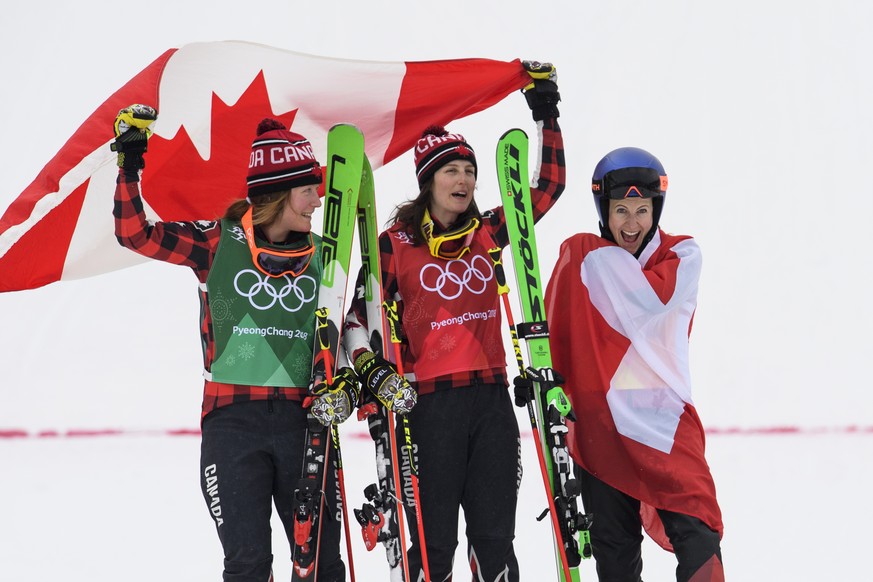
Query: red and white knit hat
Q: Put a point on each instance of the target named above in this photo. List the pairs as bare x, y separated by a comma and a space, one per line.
436, 148
280, 160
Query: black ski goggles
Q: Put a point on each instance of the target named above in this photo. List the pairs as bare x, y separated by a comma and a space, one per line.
452, 244
631, 183
273, 262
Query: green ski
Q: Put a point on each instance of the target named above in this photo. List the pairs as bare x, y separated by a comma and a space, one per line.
552, 405
381, 518
345, 162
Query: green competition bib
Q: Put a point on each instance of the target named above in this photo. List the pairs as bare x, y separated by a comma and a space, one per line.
263, 326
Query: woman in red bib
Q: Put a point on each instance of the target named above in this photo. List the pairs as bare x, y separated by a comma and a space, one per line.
435, 264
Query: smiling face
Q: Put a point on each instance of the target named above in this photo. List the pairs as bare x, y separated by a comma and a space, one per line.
452, 191
302, 202
629, 221
296, 214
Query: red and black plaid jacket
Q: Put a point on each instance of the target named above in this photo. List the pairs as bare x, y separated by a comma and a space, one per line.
549, 187
193, 245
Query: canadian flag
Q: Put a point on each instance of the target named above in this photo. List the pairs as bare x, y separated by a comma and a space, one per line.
210, 97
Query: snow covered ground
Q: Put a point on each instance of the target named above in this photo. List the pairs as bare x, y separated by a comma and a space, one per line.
94, 509
761, 113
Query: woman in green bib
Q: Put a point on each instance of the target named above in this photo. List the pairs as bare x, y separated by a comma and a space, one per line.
258, 270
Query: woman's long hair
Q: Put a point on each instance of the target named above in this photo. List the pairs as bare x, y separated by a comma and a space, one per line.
265, 211
411, 213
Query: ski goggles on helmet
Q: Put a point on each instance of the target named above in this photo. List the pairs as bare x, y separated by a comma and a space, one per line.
632, 183
452, 244
274, 262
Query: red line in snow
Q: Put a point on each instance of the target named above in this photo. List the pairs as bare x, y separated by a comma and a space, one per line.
791, 430
18, 433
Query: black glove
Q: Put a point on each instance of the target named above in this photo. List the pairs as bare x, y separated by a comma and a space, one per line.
333, 404
132, 131
542, 93
381, 378
523, 385
523, 388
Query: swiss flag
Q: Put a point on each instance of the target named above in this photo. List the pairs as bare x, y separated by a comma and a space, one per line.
210, 97
619, 335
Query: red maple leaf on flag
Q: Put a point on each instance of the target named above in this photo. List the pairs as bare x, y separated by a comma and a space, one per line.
194, 188
210, 98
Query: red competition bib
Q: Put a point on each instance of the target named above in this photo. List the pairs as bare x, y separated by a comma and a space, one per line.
451, 308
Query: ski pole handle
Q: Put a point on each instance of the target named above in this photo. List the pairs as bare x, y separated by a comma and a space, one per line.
393, 317
322, 334
499, 274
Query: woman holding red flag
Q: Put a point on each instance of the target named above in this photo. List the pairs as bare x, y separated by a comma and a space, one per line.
435, 264
620, 307
258, 269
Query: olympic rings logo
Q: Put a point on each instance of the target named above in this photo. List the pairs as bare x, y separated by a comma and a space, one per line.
261, 284
451, 281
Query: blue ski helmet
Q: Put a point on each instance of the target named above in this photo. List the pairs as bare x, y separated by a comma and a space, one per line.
626, 173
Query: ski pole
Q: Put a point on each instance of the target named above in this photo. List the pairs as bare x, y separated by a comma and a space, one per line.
393, 317
398, 492
503, 291
324, 344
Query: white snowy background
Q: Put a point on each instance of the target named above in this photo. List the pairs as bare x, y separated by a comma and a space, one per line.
760, 111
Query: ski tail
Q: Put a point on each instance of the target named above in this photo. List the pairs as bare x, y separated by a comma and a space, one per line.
381, 518
368, 240
345, 166
552, 405
388, 495
345, 155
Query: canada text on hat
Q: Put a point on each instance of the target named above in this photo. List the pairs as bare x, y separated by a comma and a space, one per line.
280, 160
438, 147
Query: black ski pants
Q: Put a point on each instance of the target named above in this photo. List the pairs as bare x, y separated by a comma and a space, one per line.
251, 456
616, 537
468, 449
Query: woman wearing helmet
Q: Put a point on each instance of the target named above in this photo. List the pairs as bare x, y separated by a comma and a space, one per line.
620, 307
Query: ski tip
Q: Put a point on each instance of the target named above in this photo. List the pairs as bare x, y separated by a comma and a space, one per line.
513, 131
345, 125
